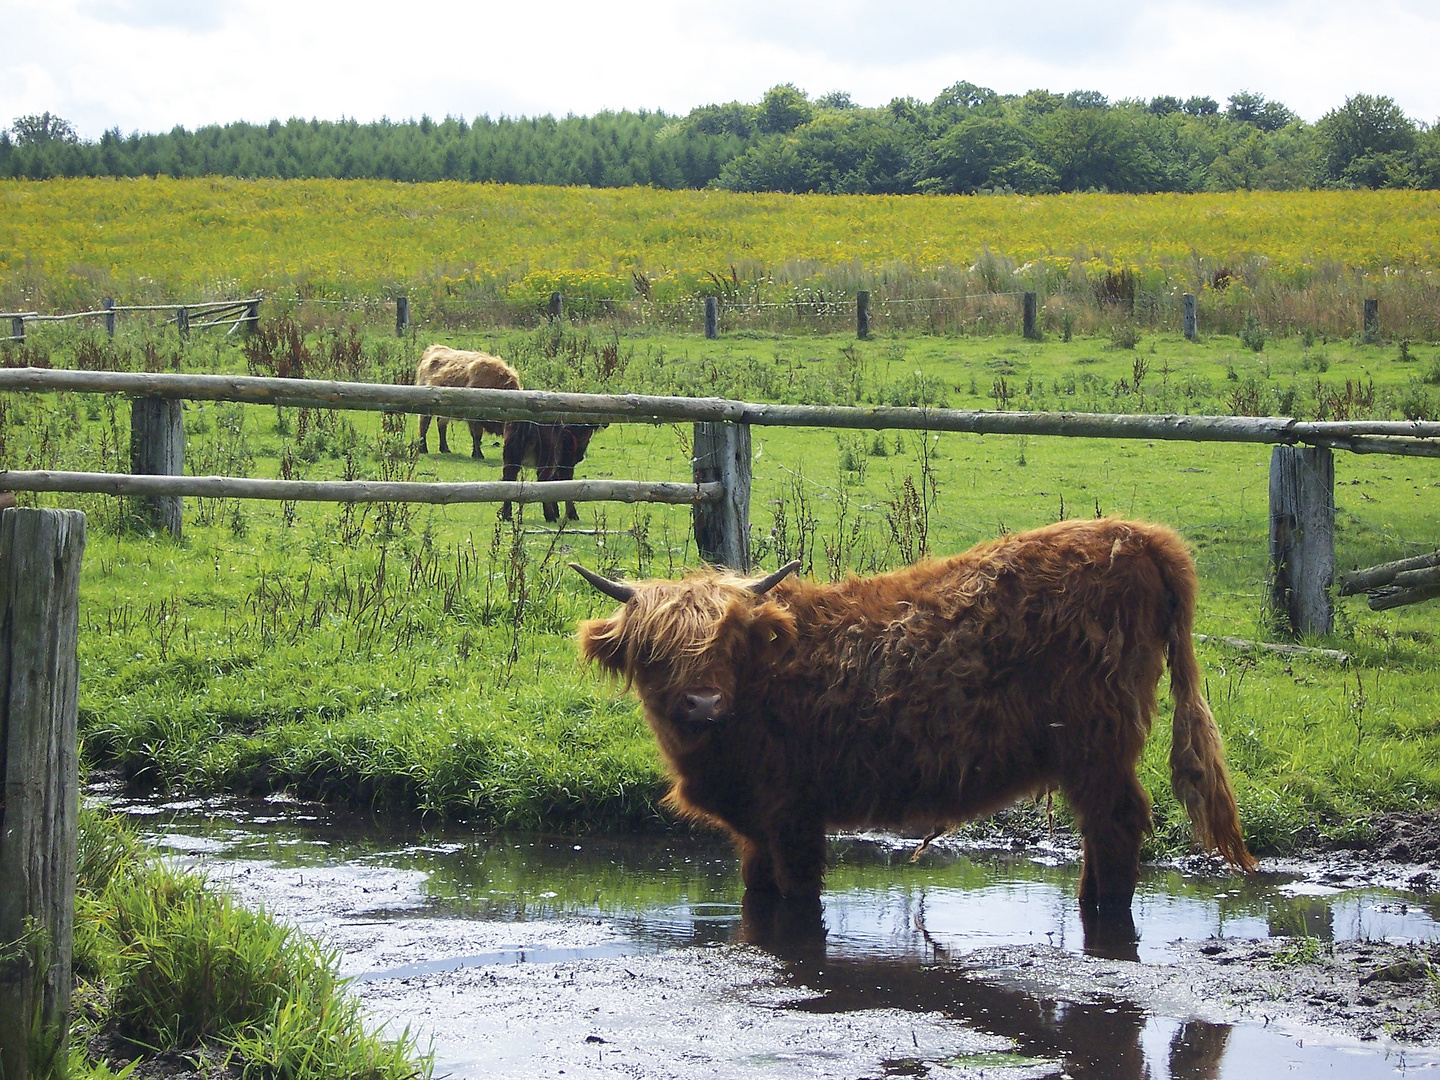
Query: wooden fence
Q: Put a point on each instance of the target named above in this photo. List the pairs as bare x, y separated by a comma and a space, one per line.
245, 314
1301, 475
234, 314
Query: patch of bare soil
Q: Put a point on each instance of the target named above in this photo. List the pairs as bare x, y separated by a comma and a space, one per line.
1412, 837
1365, 990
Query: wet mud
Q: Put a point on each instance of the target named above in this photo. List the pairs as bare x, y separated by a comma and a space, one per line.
549, 956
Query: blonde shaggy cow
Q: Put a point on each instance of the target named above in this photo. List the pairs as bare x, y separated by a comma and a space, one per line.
926, 696
442, 366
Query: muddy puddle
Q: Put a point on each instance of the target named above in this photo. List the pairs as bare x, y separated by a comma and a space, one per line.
524, 955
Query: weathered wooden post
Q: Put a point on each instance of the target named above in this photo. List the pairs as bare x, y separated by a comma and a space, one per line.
182, 323
252, 315
1371, 332
862, 314
712, 317
157, 448
1028, 304
40, 552
17, 328
109, 305
1302, 536
402, 315
722, 530
557, 306
1192, 326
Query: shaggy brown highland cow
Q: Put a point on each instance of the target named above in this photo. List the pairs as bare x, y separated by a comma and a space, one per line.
929, 695
442, 366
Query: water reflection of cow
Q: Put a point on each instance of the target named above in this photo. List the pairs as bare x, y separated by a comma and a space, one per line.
1094, 1038
552, 450
929, 695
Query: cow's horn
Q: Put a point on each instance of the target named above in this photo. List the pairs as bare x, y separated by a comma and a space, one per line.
613, 589
765, 584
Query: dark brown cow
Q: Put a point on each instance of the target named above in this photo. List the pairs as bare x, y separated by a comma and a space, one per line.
443, 366
552, 450
929, 695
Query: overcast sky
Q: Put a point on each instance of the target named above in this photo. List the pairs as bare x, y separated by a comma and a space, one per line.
149, 65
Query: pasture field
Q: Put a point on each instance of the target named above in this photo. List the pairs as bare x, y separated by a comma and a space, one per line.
421, 659
1293, 259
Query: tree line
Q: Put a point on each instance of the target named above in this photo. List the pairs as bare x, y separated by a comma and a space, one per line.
969, 139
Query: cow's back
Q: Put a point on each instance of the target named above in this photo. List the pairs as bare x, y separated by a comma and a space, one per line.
966, 680
443, 366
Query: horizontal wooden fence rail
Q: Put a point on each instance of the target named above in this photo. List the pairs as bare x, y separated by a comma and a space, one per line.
359, 491
1401, 437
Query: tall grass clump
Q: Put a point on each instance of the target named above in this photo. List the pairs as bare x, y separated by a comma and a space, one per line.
169, 966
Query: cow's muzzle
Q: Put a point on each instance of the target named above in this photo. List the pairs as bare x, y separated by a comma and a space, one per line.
700, 707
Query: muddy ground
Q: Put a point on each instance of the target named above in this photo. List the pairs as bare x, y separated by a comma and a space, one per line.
574, 998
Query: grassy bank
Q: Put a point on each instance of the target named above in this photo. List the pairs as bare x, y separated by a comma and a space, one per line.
172, 975
421, 658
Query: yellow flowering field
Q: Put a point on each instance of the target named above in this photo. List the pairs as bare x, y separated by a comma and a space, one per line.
341, 238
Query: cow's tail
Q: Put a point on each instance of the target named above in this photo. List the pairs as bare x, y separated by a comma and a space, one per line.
1197, 762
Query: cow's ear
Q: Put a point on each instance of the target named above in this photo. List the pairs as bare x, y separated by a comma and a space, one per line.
601, 643
771, 625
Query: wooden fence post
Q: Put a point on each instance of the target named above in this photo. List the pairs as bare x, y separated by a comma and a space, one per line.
109, 305
557, 306
862, 314
722, 530
1028, 304
252, 316
157, 448
1372, 321
1302, 536
1192, 328
402, 315
17, 328
712, 317
182, 323
40, 552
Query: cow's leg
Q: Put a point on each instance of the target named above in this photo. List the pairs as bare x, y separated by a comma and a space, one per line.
1113, 812
509, 471
477, 432
442, 423
757, 869
544, 475
424, 427
797, 850
567, 472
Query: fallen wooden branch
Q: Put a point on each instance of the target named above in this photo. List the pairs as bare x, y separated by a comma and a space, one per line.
1390, 596
1246, 645
1358, 581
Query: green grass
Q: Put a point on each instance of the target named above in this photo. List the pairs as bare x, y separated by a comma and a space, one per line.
420, 659
166, 965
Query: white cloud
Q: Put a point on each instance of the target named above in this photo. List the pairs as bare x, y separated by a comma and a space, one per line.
152, 64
